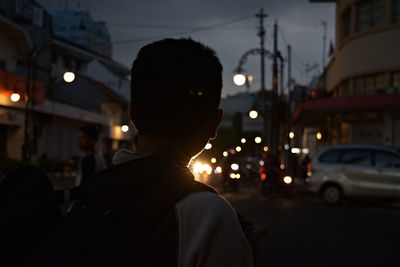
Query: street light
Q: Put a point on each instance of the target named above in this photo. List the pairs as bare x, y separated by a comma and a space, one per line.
238, 149
264, 53
30, 93
239, 79
257, 139
291, 135
319, 135
208, 146
253, 114
124, 128
235, 166
15, 97
69, 77
243, 140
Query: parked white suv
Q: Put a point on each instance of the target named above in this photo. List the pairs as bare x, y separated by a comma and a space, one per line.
355, 170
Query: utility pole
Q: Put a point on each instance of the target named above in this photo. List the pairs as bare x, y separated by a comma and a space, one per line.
274, 115
261, 33
289, 79
289, 107
324, 25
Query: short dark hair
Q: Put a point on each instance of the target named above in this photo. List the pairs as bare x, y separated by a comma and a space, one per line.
91, 130
174, 84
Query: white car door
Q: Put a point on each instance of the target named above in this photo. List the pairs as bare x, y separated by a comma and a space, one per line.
357, 167
388, 172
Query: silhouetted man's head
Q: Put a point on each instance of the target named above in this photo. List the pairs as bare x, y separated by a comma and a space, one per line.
175, 90
89, 134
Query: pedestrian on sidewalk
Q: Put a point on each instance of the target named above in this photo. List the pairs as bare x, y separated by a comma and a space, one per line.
92, 161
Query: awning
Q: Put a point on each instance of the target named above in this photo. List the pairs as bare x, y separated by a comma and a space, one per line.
314, 112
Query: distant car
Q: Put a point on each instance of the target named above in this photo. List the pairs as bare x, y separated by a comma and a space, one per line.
355, 171
275, 181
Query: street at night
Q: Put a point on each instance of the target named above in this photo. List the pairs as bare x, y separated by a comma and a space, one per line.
303, 231
129, 130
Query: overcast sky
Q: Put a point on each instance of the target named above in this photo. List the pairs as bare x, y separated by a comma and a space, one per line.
298, 20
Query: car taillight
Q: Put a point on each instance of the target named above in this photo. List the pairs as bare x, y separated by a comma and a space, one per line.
263, 176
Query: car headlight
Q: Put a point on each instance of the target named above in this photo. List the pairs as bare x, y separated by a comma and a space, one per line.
287, 180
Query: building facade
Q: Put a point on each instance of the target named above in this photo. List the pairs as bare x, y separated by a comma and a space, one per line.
362, 79
32, 63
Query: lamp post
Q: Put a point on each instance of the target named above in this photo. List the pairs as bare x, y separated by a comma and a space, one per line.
240, 78
30, 92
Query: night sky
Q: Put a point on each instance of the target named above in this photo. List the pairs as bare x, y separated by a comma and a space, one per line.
132, 24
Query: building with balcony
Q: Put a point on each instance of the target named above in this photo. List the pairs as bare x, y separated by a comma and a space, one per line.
33, 61
362, 78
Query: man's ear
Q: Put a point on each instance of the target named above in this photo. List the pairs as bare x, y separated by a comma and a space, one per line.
215, 123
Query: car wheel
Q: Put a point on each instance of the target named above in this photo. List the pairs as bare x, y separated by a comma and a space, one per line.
331, 194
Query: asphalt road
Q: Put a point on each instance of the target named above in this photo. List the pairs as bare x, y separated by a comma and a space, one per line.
303, 231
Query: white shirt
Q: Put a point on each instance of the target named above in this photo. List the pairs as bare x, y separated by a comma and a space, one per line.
209, 231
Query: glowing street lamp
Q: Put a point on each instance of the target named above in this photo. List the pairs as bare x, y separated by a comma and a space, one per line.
15, 97
287, 179
208, 146
225, 154
257, 139
319, 136
124, 128
238, 149
218, 170
291, 135
239, 79
69, 77
253, 114
243, 140
235, 166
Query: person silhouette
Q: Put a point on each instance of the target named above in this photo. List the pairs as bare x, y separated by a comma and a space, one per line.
175, 93
148, 210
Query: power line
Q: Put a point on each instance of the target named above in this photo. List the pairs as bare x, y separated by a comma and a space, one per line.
298, 63
140, 25
159, 27
282, 34
182, 33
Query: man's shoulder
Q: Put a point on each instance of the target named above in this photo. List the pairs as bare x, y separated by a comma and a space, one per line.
206, 204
